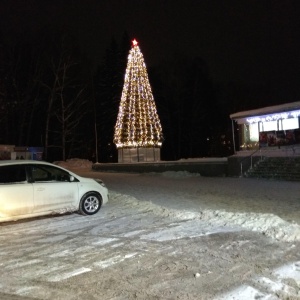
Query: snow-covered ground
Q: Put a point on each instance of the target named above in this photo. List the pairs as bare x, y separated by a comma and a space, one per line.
236, 193
171, 235
270, 208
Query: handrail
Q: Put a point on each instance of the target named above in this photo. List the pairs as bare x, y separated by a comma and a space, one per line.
290, 147
247, 157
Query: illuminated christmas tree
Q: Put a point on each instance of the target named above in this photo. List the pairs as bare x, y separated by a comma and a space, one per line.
138, 132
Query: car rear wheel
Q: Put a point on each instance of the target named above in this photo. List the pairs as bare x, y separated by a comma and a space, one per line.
90, 204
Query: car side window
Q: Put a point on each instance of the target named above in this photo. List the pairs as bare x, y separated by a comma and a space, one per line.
45, 173
13, 174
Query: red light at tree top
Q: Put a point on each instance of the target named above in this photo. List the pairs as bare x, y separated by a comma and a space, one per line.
134, 43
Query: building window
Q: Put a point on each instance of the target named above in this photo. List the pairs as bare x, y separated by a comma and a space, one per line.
270, 126
253, 128
290, 124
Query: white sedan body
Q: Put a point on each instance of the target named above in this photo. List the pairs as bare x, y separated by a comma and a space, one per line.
33, 188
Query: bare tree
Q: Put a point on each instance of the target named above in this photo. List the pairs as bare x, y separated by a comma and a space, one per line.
70, 111
65, 101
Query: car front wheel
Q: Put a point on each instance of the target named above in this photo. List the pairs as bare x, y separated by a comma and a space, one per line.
90, 204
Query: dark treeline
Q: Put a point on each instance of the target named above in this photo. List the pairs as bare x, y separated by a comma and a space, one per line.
52, 96
44, 94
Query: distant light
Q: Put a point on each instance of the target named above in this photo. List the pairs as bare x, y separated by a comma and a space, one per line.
134, 43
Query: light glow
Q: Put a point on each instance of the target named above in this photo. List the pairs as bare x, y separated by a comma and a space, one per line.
290, 124
253, 131
270, 126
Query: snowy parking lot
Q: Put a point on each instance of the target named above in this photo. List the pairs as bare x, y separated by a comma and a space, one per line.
173, 235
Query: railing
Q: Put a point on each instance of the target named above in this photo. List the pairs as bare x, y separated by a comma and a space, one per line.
290, 148
251, 158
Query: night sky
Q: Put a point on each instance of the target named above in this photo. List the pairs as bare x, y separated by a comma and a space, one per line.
253, 43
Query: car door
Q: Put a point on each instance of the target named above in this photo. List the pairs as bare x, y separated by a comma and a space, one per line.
16, 193
52, 189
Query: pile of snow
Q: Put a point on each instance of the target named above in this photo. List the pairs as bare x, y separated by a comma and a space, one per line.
75, 163
204, 159
179, 174
267, 224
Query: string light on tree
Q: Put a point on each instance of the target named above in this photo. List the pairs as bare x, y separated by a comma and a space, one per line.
138, 124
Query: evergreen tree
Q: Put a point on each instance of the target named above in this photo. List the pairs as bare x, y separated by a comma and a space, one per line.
108, 83
187, 107
138, 124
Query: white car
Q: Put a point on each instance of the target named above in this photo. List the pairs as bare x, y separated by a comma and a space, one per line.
34, 188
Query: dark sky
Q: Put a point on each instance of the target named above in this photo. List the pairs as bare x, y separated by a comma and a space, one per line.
254, 42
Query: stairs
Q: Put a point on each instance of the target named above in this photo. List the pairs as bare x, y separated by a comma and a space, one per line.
278, 168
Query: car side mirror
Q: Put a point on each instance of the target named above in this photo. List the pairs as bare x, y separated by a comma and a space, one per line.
72, 178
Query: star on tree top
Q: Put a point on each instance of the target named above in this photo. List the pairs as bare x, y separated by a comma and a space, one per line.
134, 43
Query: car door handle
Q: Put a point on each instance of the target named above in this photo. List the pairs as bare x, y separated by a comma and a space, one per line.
40, 189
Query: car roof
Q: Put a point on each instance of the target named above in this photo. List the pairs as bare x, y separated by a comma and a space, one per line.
22, 162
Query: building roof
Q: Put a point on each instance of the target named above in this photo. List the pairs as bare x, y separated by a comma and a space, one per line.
266, 110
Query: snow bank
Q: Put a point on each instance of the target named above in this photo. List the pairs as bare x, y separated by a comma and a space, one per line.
267, 224
75, 163
179, 174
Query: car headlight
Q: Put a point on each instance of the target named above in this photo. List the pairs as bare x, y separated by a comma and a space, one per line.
100, 182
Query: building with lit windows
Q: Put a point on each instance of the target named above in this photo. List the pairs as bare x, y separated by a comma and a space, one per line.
272, 126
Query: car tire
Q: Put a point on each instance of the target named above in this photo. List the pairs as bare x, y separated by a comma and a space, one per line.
90, 203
